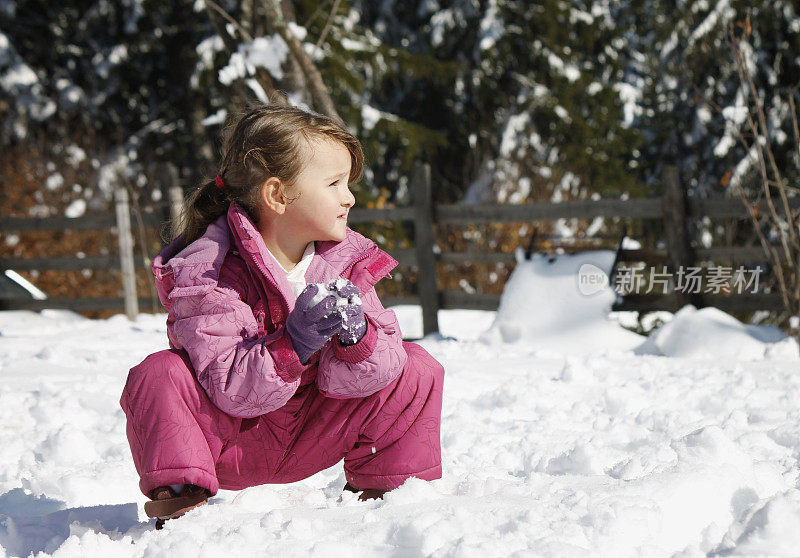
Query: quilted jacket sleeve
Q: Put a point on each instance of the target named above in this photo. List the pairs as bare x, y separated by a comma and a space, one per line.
245, 374
371, 364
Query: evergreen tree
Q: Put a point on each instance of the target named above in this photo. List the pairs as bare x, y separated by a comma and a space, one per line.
105, 78
509, 100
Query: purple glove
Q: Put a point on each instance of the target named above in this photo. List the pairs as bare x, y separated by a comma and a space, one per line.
354, 325
313, 321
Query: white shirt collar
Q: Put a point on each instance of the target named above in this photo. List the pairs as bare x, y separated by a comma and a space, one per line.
299, 271
305, 260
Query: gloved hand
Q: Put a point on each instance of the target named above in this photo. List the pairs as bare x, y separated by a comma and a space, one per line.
313, 321
354, 325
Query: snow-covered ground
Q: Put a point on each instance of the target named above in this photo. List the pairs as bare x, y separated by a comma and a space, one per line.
562, 435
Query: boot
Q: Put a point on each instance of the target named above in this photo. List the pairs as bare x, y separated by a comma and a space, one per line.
166, 504
367, 493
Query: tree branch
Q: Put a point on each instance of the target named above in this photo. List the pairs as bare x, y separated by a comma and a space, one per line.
757, 130
217, 8
316, 12
783, 226
327, 26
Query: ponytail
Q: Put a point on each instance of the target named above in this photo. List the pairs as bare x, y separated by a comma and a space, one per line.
200, 208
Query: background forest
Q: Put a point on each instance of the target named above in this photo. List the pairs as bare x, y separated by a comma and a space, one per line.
509, 101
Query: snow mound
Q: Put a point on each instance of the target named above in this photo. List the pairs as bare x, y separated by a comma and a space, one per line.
710, 333
545, 306
770, 528
560, 304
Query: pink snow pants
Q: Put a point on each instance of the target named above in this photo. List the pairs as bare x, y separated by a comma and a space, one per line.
178, 436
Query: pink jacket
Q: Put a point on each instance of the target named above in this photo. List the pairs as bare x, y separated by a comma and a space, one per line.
228, 301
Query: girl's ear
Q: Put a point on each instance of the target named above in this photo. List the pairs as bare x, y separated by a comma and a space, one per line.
272, 195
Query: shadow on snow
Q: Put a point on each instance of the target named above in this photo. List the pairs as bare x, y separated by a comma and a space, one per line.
31, 524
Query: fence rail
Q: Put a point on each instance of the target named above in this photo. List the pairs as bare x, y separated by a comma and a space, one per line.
672, 207
636, 208
67, 263
86, 223
86, 304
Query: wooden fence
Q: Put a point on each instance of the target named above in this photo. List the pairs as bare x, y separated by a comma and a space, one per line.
673, 208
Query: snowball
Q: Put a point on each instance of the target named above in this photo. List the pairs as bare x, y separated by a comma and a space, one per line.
322, 291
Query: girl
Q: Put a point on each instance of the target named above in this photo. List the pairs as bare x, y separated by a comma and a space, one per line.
283, 360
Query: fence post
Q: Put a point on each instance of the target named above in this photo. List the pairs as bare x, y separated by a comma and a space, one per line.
674, 208
126, 252
428, 285
175, 194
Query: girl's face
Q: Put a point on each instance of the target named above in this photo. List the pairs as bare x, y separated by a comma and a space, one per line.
321, 194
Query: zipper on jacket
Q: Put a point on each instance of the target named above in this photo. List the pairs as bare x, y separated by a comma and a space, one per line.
265, 274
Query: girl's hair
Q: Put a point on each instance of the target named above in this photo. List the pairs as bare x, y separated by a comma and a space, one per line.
267, 141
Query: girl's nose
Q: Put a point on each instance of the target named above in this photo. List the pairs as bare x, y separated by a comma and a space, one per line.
349, 199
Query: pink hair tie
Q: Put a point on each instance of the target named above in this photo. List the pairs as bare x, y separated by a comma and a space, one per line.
218, 181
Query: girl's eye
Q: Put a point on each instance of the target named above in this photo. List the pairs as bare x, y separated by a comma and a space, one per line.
334, 183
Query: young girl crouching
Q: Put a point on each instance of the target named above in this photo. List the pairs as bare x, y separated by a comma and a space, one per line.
283, 360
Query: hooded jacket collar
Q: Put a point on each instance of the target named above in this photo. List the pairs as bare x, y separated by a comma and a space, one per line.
196, 268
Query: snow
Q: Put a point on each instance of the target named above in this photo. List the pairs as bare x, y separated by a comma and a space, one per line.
521, 194
54, 182
257, 89
34, 291
441, 22
737, 114
630, 97
491, 27
631, 243
298, 30
76, 208
725, 144
723, 336
75, 155
515, 124
216, 118
594, 88
206, 51
744, 166
721, 13
563, 434
370, 116
562, 113
18, 75
548, 294
577, 15
118, 54
356, 46
109, 173
568, 70
19, 80
267, 52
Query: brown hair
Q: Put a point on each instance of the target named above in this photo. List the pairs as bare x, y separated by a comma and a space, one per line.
266, 141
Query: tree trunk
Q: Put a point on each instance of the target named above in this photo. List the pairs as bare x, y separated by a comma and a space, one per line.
319, 92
